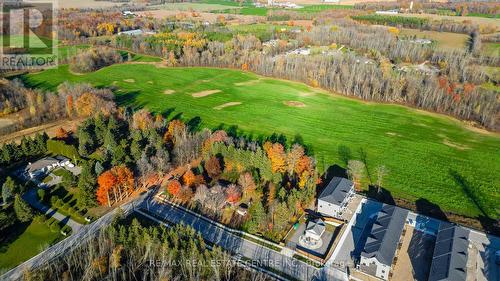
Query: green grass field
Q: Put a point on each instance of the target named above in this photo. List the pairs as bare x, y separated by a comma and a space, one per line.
323, 7
444, 40
491, 49
250, 10
429, 156
29, 243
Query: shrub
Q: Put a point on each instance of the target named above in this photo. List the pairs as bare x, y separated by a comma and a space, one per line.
60, 148
55, 227
66, 229
40, 219
49, 222
41, 194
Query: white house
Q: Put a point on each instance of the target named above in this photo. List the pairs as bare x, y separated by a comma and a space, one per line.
45, 165
389, 12
381, 245
41, 167
334, 198
314, 229
127, 13
134, 32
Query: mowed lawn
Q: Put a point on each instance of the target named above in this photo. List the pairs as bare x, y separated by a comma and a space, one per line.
429, 156
29, 243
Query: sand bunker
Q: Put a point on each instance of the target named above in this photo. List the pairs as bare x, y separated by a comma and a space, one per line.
393, 134
294, 103
305, 94
247, 83
129, 80
168, 92
227, 104
455, 145
205, 93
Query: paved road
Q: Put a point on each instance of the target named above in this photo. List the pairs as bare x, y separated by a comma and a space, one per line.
86, 232
260, 255
32, 198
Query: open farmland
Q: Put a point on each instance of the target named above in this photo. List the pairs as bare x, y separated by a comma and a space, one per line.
474, 20
198, 7
429, 156
444, 40
201, 16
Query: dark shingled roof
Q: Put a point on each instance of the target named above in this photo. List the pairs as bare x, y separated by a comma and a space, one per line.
40, 164
385, 234
449, 260
336, 191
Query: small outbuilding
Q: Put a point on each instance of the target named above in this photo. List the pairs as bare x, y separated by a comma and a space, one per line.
314, 229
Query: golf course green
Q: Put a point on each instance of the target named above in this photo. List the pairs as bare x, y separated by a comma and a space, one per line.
429, 156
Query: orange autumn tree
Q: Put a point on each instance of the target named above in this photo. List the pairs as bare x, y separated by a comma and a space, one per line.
304, 169
61, 133
114, 185
173, 127
69, 106
106, 181
189, 178
174, 187
276, 153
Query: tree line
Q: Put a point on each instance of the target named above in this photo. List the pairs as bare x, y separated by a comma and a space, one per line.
128, 250
33, 107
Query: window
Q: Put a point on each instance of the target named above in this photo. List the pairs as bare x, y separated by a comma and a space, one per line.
383, 271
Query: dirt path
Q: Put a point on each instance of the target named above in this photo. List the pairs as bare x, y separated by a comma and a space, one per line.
49, 128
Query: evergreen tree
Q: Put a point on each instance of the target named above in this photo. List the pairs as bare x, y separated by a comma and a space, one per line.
100, 129
87, 186
9, 188
257, 217
41, 143
86, 138
98, 168
137, 145
24, 213
6, 192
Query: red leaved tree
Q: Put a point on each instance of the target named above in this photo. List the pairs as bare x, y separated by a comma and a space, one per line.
106, 182
233, 194
114, 185
173, 187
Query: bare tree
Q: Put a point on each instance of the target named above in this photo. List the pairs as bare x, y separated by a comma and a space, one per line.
356, 171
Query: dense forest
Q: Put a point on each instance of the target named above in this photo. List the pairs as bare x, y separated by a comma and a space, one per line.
127, 250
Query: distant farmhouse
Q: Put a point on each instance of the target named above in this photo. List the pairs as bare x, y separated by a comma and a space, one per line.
449, 260
45, 165
128, 14
333, 200
380, 247
389, 12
